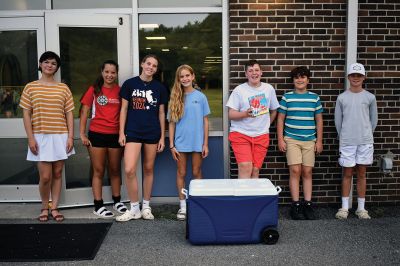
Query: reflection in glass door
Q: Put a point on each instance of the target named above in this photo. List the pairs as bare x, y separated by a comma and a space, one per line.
21, 40
83, 43
194, 39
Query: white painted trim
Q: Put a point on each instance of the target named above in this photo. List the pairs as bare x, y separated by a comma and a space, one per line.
12, 128
351, 36
120, 11
225, 88
351, 54
19, 193
21, 13
135, 39
48, 4
185, 10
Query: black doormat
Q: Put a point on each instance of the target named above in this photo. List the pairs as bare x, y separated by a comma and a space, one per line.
51, 242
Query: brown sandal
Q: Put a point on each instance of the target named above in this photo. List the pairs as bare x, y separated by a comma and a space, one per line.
43, 217
59, 217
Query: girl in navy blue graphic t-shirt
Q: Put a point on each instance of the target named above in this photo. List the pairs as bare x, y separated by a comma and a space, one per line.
142, 123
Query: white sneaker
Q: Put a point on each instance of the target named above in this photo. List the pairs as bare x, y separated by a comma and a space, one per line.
146, 214
128, 215
363, 214
181, 215
342, 214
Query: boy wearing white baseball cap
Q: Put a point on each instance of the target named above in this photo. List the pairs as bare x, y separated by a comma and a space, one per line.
356, 117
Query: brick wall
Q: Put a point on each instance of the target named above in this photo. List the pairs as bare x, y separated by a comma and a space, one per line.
284, 34
379, 50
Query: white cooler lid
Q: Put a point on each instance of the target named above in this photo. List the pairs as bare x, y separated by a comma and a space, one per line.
231, 187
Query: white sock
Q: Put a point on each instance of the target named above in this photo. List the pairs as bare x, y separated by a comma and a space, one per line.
361, 204
145, 204
135, 207
345, 203
182, 204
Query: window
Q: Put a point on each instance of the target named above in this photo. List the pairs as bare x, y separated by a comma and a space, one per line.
83, 50
18, 66
193, 39
22, 4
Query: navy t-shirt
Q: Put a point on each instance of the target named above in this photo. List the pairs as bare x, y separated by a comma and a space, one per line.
144, 100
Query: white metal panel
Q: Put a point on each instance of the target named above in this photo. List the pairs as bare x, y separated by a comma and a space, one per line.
351, 36
13, 127
56, 19
351, 52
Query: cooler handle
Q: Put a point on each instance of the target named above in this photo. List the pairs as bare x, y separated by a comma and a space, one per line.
278, 188
185, 192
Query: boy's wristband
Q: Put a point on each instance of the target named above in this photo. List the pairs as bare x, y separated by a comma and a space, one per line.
171, 147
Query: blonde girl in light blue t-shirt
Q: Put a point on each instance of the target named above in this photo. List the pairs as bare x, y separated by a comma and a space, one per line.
188, 129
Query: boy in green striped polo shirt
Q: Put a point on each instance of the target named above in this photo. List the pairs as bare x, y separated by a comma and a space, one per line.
299, 130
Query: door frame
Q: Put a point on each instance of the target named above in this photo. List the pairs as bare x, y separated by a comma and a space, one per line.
13, 127
54, 19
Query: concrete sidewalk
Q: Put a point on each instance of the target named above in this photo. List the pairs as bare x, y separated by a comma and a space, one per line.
326, 241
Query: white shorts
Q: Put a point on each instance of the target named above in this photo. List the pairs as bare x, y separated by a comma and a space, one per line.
52, 147
359, 154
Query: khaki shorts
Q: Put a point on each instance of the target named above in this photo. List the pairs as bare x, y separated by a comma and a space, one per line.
300, 152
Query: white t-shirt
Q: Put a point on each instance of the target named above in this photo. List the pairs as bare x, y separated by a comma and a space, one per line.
240, 100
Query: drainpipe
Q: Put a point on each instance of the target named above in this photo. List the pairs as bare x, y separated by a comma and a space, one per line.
351, 52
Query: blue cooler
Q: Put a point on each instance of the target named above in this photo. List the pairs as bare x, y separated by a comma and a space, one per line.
232, 211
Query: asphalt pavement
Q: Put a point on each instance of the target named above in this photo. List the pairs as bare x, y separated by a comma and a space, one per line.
325, 241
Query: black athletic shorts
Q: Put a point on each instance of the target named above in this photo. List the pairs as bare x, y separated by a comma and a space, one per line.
140, 140
100, 140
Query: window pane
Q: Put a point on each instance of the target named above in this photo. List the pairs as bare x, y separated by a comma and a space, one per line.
78, 169
22, 4
82, 52
193, 39
18, 66
180, 3
15, 169
78, 4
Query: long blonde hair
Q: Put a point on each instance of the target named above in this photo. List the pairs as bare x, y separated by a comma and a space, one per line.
176, 102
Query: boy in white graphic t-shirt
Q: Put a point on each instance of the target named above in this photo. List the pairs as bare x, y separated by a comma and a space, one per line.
252, 108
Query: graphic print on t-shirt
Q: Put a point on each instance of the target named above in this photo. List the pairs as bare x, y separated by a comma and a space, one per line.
143, 99
102, 100
258, 104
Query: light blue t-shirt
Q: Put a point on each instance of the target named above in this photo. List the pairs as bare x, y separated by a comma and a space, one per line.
189, 130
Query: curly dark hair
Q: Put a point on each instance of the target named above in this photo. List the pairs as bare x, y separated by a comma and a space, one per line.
300, 71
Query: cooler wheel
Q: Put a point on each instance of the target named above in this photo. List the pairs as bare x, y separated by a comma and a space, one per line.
270, 236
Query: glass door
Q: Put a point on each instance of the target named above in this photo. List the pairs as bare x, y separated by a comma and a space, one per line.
21, 40
83, 42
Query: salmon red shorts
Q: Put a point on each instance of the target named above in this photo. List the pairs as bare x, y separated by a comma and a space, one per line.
249, 149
